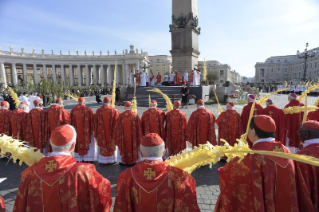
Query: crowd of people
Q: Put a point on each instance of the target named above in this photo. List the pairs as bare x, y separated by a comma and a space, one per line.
257, 183
142, 79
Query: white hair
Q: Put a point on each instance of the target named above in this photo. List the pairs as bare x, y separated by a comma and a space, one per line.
292, 98
153, 151
67, 146
4, 107
230, 107
153, 104
107, 103
81, 103
21, 106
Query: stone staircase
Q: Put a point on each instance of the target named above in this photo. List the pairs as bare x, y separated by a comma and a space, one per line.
142, 95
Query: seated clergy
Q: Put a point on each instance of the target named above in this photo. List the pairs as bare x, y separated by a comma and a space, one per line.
153, 185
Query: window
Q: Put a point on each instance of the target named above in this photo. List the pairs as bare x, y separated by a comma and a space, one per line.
272, 70
221, 72
278, 69
315, 64
277, 75
310, 65
285, 69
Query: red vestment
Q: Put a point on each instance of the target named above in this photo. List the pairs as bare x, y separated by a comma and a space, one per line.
59, 183
82, 119
192, 77
293, 123
314, 115
177, 79
155, 186
128, 136
57, 116
307, 180
2, 205
279, 117
104, 129
18, 122
158, 79
5, 122
176, 126
258, 183
201, 127
152, 77
245, 116
37, 133
230, 126
153, 122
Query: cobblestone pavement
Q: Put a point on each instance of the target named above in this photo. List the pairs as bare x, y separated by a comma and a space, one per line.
207, 184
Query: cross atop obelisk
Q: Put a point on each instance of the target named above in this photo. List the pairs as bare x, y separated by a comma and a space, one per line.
184, 31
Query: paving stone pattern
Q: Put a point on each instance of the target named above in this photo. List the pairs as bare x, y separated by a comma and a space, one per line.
207, 184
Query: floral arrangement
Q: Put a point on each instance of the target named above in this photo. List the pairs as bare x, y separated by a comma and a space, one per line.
192, 96
233, 96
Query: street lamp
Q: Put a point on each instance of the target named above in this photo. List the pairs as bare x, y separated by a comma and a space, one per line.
305, 55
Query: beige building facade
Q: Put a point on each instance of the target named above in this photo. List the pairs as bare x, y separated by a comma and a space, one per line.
287, 68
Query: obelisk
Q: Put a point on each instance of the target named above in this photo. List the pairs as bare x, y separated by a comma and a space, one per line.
184, 33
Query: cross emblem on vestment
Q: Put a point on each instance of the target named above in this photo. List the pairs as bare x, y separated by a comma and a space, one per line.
51, 165
149, 173
270, 113
277, 149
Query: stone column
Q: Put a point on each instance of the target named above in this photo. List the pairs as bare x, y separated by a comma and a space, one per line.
136, 67
128, 73
124, 73
109, 74
45, 73
3, 75
54, 74
102, 74
71, 75
24, 72
14, 74
95, 75
35, 74
62, 74
117, 73
88, 77
80, 75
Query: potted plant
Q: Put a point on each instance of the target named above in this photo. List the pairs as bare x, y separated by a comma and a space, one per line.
233, 97
191, 99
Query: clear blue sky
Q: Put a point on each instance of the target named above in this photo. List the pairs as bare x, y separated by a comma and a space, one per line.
239, 33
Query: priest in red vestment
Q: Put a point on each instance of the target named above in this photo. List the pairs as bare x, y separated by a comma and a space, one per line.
104, 131
177, 78
128, 134
37, 129
307, 176
5, 119
18, 121
192, 78
153, 121
82, 119
293, 123
176, 126
314, 115
58, 183
279, 117
229, 124
201, 126
158, 79
57, 116
153, 185
259, 182
246, 111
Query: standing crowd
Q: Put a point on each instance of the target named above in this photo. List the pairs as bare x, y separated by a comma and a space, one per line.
258, 183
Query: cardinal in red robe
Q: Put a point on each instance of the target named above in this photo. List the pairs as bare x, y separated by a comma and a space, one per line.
293, 122
18, 121
82, 119
5, 119
128, 134
307, 176
153, 120
158, 79
229, 124
58, 183
104, 131
278, 116
2, 205
192, 78
246, 111
177, 78
57, 116
314, 115
259, 182
153, 185
201, 126
176, 126
36, 127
